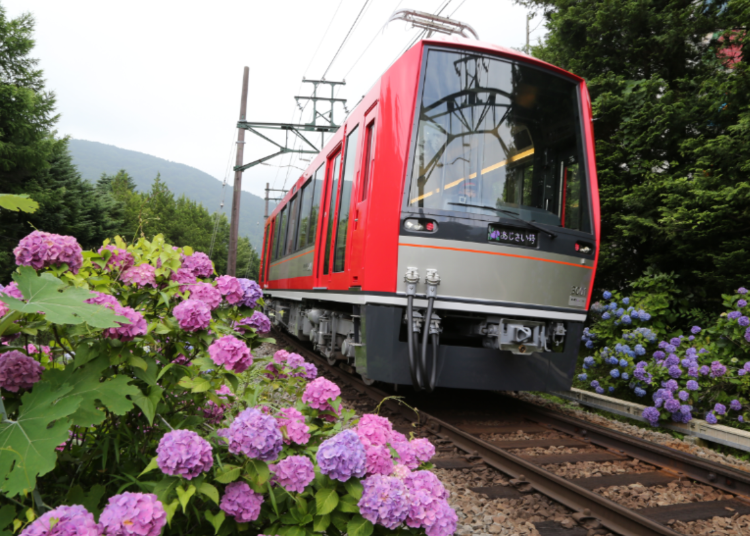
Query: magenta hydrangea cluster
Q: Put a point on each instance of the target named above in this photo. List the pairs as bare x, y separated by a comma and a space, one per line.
294, 473
385, 500
40, 250
379, 460
213, 412
251, 292
18, 371
319, 392
206, 293
120, 259
198, 264
232, 353
255, 435
133, 514
258, 320
230, 288
141, 276
192, 315
185, 278
429, 508
374, 430
241, 502
127, 332
292, 425
106, 300
184, 453
342, 456
10, 290
72, 520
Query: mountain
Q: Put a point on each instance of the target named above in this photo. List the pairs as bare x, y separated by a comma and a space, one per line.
94, 158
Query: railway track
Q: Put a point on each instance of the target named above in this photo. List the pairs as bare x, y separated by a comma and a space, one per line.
539, 450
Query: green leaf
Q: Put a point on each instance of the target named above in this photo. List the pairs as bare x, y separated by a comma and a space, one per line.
339, 520
326, 500
7, 514
320, 523
160, 328
227, 474
201, 385
349, 505
215, 520
85, 353
135, 361
209, 491
153, 464
147, 372
43, 293
170, 510
89, 500
27, 445
260, 471
359, 526
184, 495
233, 380
148, 403
354, 487
164, 370
18, 202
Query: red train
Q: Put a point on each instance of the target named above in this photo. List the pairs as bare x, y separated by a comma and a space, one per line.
448, 233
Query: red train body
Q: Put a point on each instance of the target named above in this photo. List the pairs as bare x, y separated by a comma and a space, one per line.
457, 206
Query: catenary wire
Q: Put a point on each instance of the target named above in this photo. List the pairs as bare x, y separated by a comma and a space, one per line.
346, 38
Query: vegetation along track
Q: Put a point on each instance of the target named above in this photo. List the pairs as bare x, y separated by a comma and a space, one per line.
548, 453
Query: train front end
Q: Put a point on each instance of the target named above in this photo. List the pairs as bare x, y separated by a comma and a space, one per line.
499, 227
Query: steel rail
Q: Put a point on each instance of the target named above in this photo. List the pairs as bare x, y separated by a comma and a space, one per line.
589, 504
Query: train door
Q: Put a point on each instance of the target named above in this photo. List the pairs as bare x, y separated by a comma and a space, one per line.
330, 189
265, 258
361, 197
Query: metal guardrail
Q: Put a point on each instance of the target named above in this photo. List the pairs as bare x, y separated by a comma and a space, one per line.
717, 433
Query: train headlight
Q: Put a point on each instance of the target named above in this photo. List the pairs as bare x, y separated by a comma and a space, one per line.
582, 247
420, 225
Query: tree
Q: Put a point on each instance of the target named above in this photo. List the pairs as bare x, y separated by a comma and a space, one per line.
672, 134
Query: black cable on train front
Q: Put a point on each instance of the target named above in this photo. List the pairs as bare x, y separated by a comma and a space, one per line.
425, 339
416, 377
433, 373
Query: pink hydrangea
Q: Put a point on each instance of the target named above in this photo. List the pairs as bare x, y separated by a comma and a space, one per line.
294, 473
429, 508
445, 521
385, 501
18, 371
241, 502
133, 514
401, 471
184, 453
120, 259
319, 392
106, 300
64, 521
192, 315
206, 293
224, 390
232, 353
405, 450
251, 292
213, 412
423, 449
40, 249
426, 480
379, 460
292, 425
374, 430
141, 275
198, 264
127, 332
280, 356
12, 290
185, 278
230, 288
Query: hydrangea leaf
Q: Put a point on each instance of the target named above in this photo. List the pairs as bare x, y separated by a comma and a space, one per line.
359, 526
325, 501
348, 504
89, 500
148, 403
227, 474
184, 495
30, 441
320, 523
354, 487
18, 202
85, 382
209, 491
215, 520
7, 515
60, 302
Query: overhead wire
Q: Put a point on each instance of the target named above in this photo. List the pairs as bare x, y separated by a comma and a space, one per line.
345, 38
322, 38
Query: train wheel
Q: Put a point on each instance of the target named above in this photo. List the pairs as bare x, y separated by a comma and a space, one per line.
366, 380
332, 360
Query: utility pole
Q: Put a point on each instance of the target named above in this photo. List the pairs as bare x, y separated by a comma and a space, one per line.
528, 33
269, 189
234, 225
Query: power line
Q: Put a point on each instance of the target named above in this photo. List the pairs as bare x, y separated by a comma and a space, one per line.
346, 38
322, 38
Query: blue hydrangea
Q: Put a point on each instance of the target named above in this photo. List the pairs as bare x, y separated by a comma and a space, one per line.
639, 392
626, 301
735, 405
583, 377
595, 383
623, 363
639, 350
644, 316
600, 390
720, 409
606, 316
683, 395
589, 344
625, 376
711, 418
589, 361
607, 295
695, 330
692, 385
614, 373
611, 389
634, 315
651, 414
618, 347
620, 312
612, 306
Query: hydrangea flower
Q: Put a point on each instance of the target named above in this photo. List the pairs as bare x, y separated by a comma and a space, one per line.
672, 405
623, 363
71, 521
292, 425
318, 393
704, 370
192, 315
258, 320
741, 418
695, 330
241, 502
735, 405
404, 449
720, 409
626, 319
423, 449
374, 430
651, 414
385, 500
136, 514
255, 435
185, 278
625, 376
711, 418
206, 293
742, 290
119, 259
741, 303
18, 371
600, 390
717, 369
445, 520
184, 453
595, 383
671, 385
342, 456
127, 332
141, 275
251, 292
614, 373
607, 295
683, 395
378, 460
230, 288
692, 385
659, 355
589, 361
675, 371
198, 264
733, 315
606, 316
744, 321
639, 392
294, 473
40, 249
583, 377
232, 353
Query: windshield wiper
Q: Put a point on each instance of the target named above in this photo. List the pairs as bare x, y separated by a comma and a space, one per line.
508, 212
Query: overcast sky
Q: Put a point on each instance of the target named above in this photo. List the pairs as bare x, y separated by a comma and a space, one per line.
164, 77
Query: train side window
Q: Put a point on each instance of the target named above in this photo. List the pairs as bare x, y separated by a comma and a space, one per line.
275, 239
280, 243
317, 193
369, 134
304, 214
291, 233
346, 196
331, 210
572, 216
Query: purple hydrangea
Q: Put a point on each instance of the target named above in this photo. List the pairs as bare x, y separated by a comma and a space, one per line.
119, 259
255, 435
423, 449
107, 300
717, 369
426, 480
735, 405
692, 385
241, 502
695, 330
251, 292
40, 249
742, 290
141, 275
294, 473
127, 332
595, 383
651, 414
704, 370
445, 520
292, 425
259, 321
213, 412
671, 385
198, 264
184, 453
193, 315
672, 405
720, 409
404, 449
675, 341
385, 500
741, 303
732, 315
232, 353
675, 371
659, 355
747, 334
683, 395
230, 288
741, 418
310, 371
206, 293
319, 392
342, 456
136, 514
711, 418
671, 360
71, 521
18, 371
744, 321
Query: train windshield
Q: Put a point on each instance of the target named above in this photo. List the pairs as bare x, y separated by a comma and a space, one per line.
501, 139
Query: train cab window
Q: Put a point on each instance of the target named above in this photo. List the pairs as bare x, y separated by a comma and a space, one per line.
335, 167
275, 240
281, 242
304, 214
317, 193
573, 214
347, 182
292, 232
369, 133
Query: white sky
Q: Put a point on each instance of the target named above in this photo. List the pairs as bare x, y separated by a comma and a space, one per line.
164, 77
